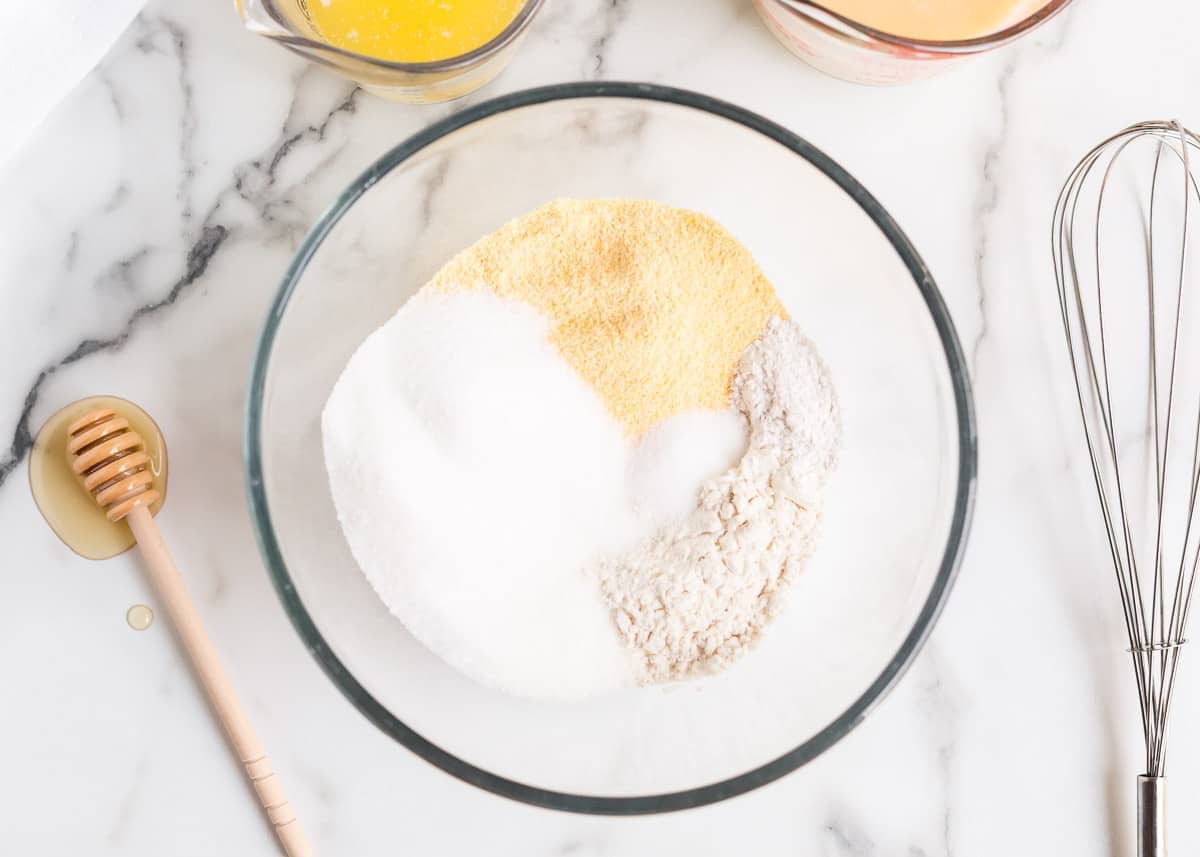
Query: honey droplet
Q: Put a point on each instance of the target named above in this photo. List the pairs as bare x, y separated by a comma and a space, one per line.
140, 617
69, 510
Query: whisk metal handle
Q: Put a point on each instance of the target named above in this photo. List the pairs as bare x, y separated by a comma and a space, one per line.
1151, 809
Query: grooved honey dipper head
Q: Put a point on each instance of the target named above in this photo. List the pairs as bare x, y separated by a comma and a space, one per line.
110, 460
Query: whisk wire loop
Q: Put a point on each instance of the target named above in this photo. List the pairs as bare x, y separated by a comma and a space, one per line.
1138, 386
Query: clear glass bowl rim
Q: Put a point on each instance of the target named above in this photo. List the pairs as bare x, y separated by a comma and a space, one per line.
960, 46
596, 804
287, 35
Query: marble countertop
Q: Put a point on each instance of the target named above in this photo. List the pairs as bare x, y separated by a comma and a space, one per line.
144, 231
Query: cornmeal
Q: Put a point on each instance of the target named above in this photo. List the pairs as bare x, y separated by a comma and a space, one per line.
652, 305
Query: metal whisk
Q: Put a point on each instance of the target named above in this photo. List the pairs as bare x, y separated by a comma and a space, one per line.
1131, 315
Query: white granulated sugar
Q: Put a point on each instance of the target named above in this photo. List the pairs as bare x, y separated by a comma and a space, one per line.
480, 481
698, 593
674, 457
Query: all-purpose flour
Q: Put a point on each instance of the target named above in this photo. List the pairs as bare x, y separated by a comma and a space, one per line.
699, 592
503, 515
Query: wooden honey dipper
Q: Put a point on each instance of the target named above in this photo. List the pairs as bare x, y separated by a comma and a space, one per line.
110, 460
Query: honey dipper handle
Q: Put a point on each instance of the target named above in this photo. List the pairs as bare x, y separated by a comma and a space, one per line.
174, 596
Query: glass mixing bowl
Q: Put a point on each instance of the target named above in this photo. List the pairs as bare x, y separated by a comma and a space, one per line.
844, 48
287, 22
897, 511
